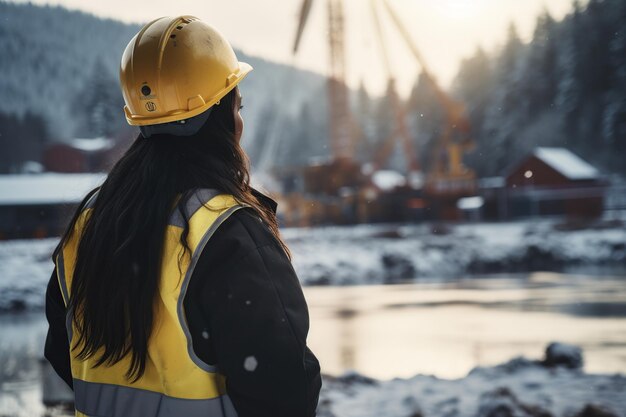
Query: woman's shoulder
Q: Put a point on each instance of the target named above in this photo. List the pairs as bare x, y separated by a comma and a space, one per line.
234, 241
246, 228
237, 238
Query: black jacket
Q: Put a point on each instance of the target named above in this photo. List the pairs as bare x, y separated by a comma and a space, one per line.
246, 313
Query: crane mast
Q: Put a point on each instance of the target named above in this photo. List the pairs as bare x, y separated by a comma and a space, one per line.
342, 126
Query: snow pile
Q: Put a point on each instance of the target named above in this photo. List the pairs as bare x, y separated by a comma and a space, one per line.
520, 387
386, 179
92, 144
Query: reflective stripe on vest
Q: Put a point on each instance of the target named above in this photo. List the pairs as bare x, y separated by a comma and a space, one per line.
176, 381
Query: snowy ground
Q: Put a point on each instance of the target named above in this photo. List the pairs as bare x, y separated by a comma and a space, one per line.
386, 253
25, 268
368, 254
518, 388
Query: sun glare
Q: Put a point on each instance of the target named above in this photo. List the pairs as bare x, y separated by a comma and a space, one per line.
458, 9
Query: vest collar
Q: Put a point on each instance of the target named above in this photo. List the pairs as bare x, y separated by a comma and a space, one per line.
265, 200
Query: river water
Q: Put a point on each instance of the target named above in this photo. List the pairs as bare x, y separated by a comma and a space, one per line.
447, 328
443, 328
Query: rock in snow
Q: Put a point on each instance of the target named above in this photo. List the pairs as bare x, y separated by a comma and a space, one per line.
563, 354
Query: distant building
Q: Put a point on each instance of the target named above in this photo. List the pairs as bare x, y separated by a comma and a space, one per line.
554, 181
40, 205
81, 155
493, 192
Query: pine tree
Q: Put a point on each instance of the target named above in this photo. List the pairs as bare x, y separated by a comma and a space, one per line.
505, 112
99, 104
614, 118
473, 85
540, 75
367, 129
426, 118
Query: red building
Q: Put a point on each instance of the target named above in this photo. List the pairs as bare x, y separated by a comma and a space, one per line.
554, 181
84, 155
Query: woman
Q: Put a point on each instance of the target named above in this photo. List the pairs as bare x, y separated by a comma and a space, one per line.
173, 293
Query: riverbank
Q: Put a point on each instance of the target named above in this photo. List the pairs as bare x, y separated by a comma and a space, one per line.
517, 388
376, 254
381, 254
556, 387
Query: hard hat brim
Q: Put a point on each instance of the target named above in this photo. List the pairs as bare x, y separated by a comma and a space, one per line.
233, 80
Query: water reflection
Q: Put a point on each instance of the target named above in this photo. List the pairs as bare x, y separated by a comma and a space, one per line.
346, 317
447, 328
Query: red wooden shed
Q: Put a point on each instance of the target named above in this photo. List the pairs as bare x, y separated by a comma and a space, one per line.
553, 181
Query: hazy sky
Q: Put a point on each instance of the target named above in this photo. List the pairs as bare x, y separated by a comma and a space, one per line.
444, 30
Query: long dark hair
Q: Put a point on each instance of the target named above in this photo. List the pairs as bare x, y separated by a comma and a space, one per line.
118, 260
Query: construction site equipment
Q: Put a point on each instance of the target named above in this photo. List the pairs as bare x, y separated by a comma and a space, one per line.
176, 68
330, 186
447, 178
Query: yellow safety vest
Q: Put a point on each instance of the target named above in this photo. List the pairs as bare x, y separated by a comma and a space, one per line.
176, 382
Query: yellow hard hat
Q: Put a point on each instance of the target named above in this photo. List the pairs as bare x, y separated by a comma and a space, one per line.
176, 68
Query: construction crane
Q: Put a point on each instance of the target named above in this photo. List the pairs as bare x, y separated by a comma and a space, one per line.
342, 125
447, 179
448, 175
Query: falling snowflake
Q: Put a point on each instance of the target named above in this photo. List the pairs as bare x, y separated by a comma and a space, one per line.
250, 363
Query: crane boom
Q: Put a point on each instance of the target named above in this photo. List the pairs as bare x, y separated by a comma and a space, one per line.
456, 121
304, 16
401, 130
441, 95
